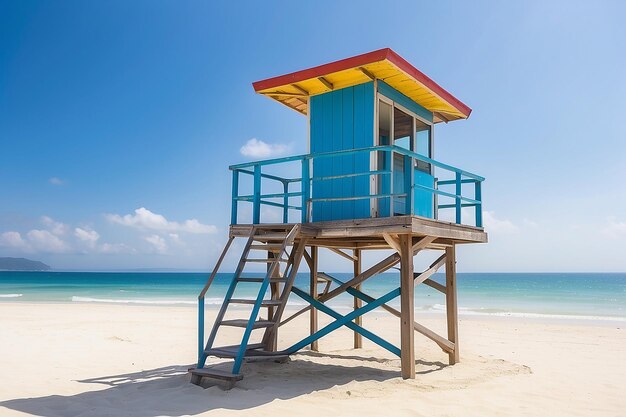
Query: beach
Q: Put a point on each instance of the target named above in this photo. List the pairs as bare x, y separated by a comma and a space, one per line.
96, 359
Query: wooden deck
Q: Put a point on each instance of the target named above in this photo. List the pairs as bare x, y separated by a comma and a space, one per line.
375, 233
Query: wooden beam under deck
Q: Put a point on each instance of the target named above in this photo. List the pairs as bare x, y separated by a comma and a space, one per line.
407, 318
358, 339
451, 306
370, 233
313, 324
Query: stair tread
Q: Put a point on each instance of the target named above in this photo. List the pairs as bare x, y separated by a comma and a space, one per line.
275, 247
232, 351
259, 279
251, 301
216, 373
270, 236
229, 351
244, 323
229, 347
266, 260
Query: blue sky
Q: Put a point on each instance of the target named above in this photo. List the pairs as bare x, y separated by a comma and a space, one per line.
118, 121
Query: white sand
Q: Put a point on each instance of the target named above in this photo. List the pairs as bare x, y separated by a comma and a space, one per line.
121, 360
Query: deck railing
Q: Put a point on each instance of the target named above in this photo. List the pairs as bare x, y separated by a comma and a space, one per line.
452, 185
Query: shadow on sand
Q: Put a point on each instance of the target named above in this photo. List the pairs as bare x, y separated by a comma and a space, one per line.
167, 391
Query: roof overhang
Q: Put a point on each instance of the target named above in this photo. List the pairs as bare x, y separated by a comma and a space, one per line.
293, 90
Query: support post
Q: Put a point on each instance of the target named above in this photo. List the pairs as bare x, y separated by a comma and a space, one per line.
358, 339
313, 292
407, 291
451, 307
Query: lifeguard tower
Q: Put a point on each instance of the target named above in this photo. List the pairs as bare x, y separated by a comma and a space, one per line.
369, 182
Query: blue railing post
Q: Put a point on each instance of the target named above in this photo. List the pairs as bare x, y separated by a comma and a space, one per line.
479, 207
435, 198
409, 178
286, 202
200, 331
256, 210
235, 194
389, 166
306, 189
457, 200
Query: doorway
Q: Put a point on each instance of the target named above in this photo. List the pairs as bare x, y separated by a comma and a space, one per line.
400, 127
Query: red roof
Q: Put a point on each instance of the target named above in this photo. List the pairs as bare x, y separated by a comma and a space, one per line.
404, 70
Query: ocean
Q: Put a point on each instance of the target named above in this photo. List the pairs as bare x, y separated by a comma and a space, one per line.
585, 296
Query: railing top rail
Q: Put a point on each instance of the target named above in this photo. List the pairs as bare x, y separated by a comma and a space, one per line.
388, 148
267, 162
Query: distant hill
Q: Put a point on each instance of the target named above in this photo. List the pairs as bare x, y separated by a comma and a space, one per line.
22, 264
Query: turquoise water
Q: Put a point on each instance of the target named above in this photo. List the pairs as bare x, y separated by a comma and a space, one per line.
583, 296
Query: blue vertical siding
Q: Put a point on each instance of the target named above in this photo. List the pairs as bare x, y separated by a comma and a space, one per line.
347, 141
342, 119
364, 138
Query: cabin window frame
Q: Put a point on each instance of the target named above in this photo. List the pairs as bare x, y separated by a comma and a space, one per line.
375, 179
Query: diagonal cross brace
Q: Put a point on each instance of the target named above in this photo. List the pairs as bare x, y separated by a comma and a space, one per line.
443, 343
337, 316
344, 320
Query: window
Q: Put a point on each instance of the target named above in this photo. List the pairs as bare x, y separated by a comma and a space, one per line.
402, 129
422, 144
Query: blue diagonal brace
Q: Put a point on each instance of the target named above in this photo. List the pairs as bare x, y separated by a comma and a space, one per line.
352, 291
346, 320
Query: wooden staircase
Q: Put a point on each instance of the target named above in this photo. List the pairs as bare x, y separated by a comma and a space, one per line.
282, 255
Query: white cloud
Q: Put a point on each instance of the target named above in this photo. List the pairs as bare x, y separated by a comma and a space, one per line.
90, 237
56, 181
48, 241
498, 226
147, 220
13, 240
55, 227
34, 241
157, 242
614, 228
255, 148
175, 237
530, 223
44, 241
115, 248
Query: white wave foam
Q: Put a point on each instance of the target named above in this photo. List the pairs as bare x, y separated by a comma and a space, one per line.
207, 301
10, 295
543, 315
129, 301
441, 308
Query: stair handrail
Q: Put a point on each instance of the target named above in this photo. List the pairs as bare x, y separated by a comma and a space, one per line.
289, 238
203, 293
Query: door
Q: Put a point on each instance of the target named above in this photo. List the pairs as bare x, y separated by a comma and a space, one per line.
423, 175
398, 126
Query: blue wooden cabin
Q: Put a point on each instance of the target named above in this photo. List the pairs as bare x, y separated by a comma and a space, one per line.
371, 139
